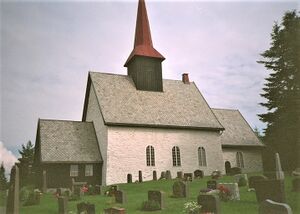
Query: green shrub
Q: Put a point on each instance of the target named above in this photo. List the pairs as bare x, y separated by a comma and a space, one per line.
25, 192
150, 205
242, 182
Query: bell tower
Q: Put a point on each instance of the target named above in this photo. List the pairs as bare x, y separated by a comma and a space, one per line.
144, 62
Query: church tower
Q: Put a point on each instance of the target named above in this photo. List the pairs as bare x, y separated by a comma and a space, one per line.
144, 62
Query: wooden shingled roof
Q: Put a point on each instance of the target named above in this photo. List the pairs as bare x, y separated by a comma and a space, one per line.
63, 141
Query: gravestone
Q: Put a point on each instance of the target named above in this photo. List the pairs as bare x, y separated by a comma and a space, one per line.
86, 208
279, 172
98, 189
269, 206
13, 203
253, 179
235, 171
157, 196
180, 189
296, 184
180, 175
44, 188
296, 172
198, 173
140, 176
188, 176
270, 189
162, 175
62, 205
112, 190
129, 178
234, 190
168, 175
154, 175
115, 210
209, 203
211, 184
77, 192
120, 197
240, 176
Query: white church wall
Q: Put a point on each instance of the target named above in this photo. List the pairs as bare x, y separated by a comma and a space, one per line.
127, 152
252, 158
93, 113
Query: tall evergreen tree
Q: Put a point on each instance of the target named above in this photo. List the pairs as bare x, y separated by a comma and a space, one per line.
282, 91
26, 162
3, 179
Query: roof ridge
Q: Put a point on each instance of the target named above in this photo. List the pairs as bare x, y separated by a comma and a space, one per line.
226, 109
61, 120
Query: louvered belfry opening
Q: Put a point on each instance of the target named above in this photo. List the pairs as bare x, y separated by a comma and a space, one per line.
144, 62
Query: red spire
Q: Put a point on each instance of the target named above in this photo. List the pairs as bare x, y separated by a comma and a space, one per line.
143, 42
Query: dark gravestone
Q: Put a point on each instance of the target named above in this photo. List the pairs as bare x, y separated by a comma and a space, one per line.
235, 171
12, 204
211, 184
154, 176
140, 176
198, 174
168, 175
296, 184
98, 190
209, 203
114, 210
253, 179
62, 205
180, 175
188, 176
272, 207
129, 178
270, 189
59, 192
86, 208
162, 175
180, 189
120, 197
77, 192
157, 196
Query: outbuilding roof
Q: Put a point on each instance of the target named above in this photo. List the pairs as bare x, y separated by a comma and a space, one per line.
68, 141
237, 131
179, 105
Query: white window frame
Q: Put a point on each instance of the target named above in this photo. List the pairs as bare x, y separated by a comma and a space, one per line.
240, 160
150, 156
89, 170
176, 156
74, 169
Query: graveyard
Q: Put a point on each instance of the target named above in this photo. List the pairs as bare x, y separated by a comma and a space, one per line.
135, 194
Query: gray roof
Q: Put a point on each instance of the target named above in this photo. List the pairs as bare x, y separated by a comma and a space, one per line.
237, 131
179, 105
68, 141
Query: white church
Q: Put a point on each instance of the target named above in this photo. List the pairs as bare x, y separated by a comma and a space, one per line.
140, 123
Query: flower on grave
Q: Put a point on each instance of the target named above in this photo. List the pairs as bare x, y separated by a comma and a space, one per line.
191, 207
84, 189
224, 193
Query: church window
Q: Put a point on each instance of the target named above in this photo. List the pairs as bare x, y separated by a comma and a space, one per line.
239, 160
150, 156
89, 170
201, 156
176, 156
74, 170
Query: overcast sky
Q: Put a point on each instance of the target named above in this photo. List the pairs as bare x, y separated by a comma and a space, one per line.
48, 47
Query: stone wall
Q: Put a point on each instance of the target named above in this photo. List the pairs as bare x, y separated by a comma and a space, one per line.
252, 158
93, 113
127, 152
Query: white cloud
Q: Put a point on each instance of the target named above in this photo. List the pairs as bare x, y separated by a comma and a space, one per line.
7, 158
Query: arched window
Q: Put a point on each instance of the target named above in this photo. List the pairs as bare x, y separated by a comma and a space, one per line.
201, 156
239, 160
150, 158
176, 156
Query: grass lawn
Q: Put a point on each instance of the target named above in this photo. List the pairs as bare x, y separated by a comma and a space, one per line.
137, 193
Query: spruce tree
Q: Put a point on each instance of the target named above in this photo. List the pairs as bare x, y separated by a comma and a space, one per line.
282, 91
3, 179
